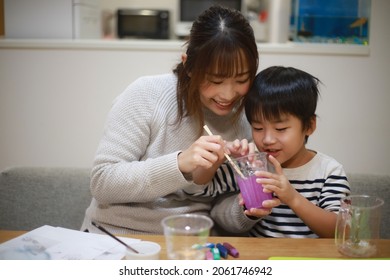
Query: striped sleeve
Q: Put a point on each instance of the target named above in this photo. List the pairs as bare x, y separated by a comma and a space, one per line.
335, 187
222, 182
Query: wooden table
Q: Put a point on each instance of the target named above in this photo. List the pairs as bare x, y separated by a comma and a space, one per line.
251, 248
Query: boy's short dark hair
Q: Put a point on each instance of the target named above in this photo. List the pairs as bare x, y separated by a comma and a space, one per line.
280, 90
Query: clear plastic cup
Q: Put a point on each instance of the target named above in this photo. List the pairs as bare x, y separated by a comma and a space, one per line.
251, 191
186, 235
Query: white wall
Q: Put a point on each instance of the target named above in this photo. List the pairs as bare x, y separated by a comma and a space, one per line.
54, 102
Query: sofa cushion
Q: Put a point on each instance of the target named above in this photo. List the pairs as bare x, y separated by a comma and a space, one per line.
34, 196
376, 185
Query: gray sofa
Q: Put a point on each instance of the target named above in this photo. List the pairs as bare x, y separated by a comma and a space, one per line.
34, 196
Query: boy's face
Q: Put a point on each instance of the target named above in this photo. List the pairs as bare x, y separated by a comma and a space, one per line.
284, 139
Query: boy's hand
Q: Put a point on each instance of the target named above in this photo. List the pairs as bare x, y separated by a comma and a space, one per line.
277, 183
260, 212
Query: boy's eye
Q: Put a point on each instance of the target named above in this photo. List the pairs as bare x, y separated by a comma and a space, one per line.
281, 129
258, 128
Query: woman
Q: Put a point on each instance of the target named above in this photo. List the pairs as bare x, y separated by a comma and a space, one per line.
153, 161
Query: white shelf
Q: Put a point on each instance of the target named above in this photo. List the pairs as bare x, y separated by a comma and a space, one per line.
176, 45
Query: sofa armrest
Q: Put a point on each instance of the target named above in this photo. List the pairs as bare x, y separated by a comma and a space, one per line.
34, 196
376, 185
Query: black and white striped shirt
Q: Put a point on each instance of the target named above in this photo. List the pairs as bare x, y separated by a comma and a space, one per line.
322, 181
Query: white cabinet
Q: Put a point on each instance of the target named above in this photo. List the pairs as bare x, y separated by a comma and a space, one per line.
52, 19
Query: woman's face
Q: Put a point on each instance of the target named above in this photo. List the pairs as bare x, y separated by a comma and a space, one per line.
220, 94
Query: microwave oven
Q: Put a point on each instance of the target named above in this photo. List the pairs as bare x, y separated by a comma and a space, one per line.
143, 23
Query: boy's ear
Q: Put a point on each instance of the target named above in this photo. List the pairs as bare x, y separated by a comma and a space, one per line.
313, 126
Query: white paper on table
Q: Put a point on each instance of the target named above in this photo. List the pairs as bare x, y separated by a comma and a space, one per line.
58, 243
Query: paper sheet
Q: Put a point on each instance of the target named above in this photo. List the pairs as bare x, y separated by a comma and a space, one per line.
58, 243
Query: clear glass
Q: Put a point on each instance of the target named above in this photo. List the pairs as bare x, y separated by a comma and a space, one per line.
358, 225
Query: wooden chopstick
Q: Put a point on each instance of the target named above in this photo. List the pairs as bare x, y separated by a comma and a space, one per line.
226, 155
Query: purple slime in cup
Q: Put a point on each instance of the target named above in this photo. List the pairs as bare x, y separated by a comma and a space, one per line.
252, 192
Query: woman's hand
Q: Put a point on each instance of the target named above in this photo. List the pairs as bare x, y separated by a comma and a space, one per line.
205, 153
239, 148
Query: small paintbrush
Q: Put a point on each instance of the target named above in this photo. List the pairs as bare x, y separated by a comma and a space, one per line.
113, 236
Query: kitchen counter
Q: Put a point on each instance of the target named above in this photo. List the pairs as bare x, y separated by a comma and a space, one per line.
175, 45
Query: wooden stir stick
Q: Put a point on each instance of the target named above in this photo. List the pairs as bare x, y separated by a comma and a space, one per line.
226, 155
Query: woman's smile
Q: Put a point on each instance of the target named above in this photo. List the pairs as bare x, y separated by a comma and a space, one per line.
223, 105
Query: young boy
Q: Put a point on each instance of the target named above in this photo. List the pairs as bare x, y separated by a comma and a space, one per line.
281, 109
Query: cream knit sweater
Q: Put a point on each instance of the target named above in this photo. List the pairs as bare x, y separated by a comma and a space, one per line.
135, 180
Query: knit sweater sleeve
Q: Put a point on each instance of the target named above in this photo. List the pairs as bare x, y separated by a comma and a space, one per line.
122, 173
228, 213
